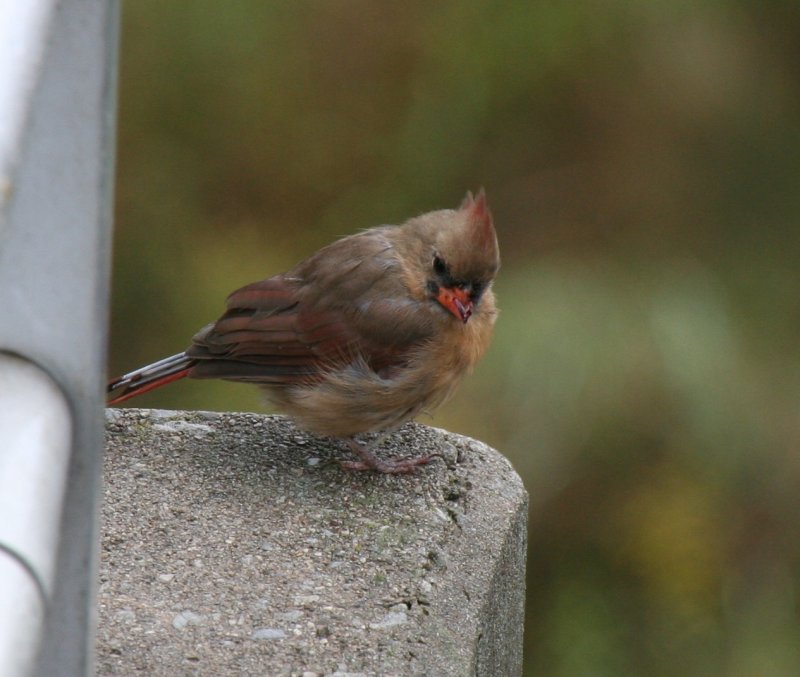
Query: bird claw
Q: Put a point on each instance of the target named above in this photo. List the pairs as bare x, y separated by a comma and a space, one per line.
402, 467
369, 461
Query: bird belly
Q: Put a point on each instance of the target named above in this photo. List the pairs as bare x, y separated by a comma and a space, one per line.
355, 399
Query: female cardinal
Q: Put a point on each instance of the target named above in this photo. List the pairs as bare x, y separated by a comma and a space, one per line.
361, 336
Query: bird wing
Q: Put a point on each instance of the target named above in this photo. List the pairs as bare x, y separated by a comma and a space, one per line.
341, 305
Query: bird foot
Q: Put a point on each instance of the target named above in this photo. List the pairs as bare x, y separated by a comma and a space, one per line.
370, 461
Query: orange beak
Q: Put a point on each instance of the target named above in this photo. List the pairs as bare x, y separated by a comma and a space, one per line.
456, 300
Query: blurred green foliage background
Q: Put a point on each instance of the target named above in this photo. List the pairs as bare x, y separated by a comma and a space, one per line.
642, 160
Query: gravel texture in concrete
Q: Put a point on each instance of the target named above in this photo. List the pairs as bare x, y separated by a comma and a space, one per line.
234, 544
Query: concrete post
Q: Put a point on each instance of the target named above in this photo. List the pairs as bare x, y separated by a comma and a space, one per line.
234, 544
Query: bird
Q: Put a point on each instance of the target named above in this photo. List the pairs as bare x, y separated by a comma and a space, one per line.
360, 337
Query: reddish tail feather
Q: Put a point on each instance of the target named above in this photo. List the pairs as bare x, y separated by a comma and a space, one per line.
149, 378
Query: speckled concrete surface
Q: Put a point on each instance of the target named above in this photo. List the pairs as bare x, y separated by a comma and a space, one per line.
234, 544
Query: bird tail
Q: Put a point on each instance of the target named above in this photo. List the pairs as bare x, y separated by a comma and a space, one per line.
149, 378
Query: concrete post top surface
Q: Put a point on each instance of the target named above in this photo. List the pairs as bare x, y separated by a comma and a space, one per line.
235, 544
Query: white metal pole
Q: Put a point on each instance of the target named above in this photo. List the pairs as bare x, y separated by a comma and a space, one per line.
36, 434
58, 61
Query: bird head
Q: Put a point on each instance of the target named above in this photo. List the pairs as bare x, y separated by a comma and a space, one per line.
458, 255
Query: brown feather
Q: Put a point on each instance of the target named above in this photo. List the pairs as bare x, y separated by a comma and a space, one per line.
299, 326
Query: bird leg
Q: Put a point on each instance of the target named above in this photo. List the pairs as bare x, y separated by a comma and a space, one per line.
369, 461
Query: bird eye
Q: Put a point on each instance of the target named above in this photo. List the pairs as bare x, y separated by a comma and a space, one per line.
439, 266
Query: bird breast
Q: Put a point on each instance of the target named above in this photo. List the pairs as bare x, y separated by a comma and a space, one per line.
355, 399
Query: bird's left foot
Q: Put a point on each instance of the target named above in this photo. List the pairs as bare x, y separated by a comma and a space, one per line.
370, 461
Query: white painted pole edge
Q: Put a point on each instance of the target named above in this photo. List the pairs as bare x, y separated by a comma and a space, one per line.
36, 436
23, 33
21, 620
